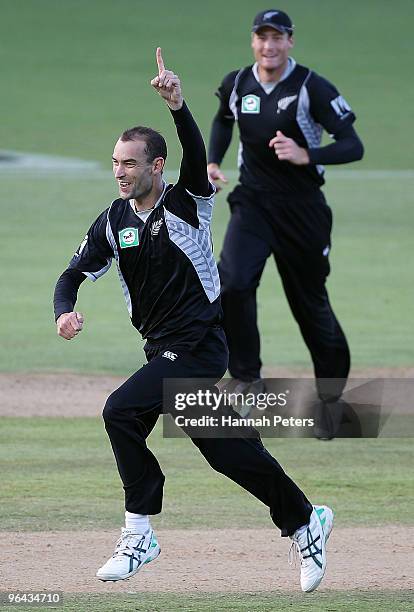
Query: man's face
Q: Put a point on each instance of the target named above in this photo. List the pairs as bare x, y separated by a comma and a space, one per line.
132, 170
271, 48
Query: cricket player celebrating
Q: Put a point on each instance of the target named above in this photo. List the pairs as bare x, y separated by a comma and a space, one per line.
159, 236
281, 109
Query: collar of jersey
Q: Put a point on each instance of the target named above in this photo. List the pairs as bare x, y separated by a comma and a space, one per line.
146, 213
288, 71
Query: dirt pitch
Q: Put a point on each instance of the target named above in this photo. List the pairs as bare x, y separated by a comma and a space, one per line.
224, 560
72, 395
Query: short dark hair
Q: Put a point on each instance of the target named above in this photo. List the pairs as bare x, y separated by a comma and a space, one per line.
155, 145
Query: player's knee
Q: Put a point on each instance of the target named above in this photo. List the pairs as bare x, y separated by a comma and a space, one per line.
218, 464
239, 285
111, 408
218, 461
217, 456
234, 279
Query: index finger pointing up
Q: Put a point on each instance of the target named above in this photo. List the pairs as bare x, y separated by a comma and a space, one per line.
160, 61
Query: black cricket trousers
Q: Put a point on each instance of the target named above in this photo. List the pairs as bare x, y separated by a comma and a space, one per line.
296, 229
131, 413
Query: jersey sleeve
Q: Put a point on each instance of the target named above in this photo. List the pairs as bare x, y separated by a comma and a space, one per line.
193, 169
224, 92
327, 106
222, 126
66, 291
94, 255
346, 148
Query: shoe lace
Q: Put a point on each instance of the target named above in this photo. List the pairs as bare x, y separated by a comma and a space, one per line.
307, 552
294, 553
129, 542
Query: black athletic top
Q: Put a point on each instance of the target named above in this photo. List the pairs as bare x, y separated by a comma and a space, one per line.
300, 105
166, 266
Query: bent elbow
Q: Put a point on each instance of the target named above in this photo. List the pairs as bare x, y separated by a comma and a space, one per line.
359, 152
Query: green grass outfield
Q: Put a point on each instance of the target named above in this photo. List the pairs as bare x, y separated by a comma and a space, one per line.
74, 75
57, 472
77, 74
45, 218
400, 601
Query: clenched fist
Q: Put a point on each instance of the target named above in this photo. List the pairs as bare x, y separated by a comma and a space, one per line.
69, 324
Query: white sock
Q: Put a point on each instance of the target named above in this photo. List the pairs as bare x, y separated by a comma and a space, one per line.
138, 522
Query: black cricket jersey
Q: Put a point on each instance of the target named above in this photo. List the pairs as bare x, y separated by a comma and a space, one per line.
165, 262
300, 105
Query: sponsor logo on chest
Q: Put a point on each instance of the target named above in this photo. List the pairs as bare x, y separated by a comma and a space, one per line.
128, 237
250, 104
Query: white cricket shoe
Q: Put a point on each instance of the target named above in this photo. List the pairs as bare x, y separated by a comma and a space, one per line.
132, 551
309, 544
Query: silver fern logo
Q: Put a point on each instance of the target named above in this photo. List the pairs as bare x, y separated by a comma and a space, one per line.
155, 227
283, 103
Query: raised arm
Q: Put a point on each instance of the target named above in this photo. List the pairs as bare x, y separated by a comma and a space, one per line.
193, 174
